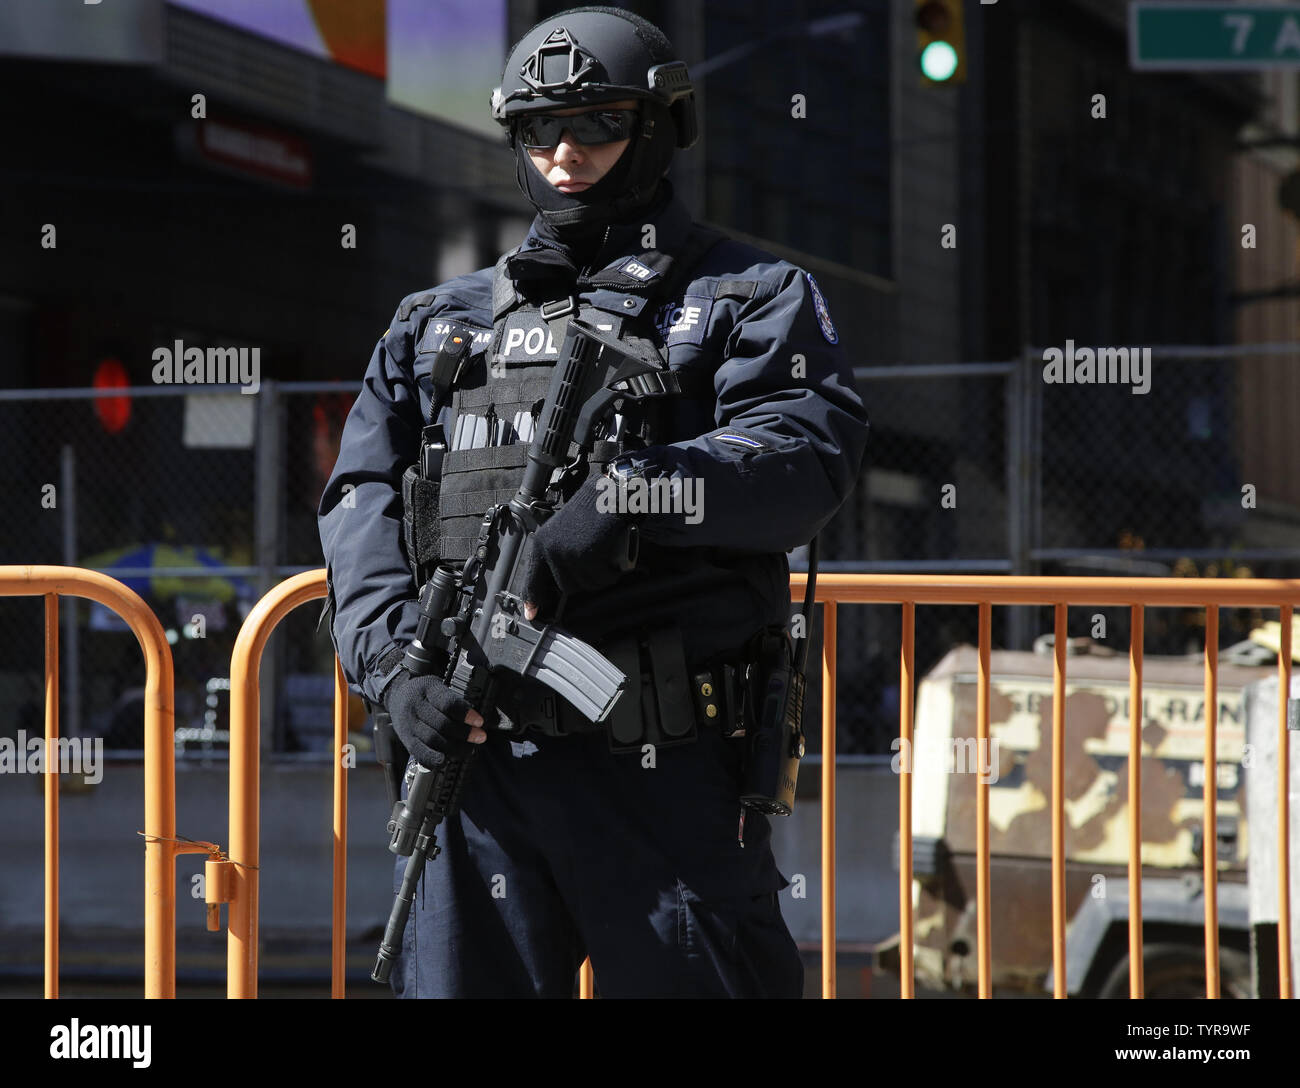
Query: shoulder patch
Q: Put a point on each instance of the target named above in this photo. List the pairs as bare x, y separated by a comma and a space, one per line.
823, 313
638, 271
684, 322
436, 331
740, 440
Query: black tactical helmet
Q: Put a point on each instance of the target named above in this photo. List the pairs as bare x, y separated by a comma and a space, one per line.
591, 55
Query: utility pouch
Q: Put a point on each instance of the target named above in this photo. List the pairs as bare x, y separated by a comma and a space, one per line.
421, 484
720, 701
656, 707
775, 739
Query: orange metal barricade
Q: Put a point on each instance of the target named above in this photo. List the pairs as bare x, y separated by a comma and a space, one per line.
833, 590
235, 879
245, 784
245, 790
161, 845
1059, 592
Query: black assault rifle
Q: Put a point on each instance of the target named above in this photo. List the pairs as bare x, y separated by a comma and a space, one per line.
472, 626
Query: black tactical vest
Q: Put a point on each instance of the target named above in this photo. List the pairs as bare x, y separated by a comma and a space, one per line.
495, 402
498, 397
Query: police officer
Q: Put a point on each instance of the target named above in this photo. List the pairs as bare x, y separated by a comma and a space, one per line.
624, 841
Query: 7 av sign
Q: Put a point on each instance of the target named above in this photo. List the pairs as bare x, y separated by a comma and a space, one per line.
1201, 37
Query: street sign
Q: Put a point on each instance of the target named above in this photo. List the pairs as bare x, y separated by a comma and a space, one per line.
1205, 37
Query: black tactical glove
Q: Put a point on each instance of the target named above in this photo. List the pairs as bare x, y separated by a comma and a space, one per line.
428, 717
580, 549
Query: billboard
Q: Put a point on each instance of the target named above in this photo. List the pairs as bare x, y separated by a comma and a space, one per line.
125, 31
445, 58
349, 32
440, 59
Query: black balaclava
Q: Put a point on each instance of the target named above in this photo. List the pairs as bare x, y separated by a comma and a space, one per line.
577, 221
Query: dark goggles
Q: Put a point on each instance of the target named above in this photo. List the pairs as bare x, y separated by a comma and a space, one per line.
543, 130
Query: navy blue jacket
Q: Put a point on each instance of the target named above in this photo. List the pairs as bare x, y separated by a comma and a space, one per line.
778, 446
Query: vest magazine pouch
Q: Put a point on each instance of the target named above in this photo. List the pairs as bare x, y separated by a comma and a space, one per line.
490, 433
473, 481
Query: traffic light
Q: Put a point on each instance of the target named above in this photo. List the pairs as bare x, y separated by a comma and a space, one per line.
941, 40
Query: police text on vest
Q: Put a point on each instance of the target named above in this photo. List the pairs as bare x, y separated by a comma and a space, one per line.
535, 341
683, 318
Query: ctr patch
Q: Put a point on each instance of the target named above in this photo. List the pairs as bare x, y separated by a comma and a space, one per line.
823, 313
685, 322
638, 271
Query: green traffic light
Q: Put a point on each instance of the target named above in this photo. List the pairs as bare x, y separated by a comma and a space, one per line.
938, 61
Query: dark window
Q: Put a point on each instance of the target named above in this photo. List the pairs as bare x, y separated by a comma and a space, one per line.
819, 183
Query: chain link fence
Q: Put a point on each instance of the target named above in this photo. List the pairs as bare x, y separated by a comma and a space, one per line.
1183, 466
201, 498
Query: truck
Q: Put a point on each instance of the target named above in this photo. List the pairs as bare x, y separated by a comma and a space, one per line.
1017, 766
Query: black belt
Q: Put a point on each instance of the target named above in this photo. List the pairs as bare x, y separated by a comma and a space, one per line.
717, 695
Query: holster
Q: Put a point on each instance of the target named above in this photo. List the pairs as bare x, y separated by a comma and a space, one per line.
390, 754
775, 741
